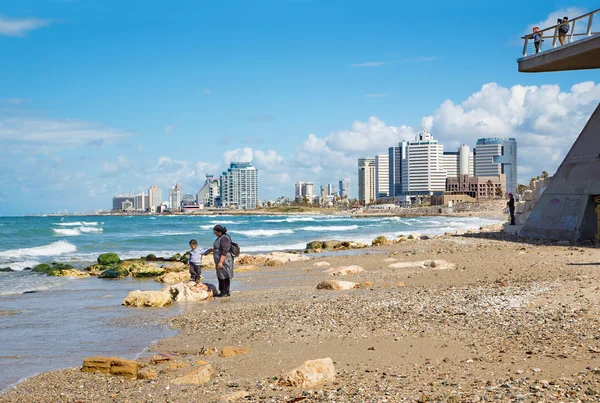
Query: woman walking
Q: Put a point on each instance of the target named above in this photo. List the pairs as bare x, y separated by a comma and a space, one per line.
223, 259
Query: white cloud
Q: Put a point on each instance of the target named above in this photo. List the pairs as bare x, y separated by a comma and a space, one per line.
368, 64
373, 136
550, 20
238, 155
20, 26
169, 129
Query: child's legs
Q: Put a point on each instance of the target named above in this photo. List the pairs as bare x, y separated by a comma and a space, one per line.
195, 272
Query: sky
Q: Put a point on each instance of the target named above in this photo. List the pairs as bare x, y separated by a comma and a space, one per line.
99, 98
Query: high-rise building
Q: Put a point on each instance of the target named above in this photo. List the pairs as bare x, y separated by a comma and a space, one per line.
331, 190
155, 197
345, 188
139, 202
175, 198
382, 173
396, 155
308, 190
367, 180
496, 156
323, 192
298, 190
209, 194
422, 170
239, 186
119, 200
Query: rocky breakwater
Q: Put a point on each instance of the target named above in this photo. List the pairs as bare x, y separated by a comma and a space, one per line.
110, 266
59, 270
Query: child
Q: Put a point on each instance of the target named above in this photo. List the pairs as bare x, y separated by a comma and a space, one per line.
195, 261
537, 39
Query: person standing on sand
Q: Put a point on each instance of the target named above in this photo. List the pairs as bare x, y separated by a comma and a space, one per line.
511, 208
223, 259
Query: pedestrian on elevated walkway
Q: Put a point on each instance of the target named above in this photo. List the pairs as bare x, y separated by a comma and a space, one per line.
563, 30
537, 39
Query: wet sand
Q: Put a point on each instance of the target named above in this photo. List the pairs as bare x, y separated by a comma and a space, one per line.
512, 321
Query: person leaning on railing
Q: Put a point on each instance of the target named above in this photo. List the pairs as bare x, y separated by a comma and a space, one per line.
537, 39
563, 30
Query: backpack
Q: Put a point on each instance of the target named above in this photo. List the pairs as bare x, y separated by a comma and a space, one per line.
234, 249
564, 28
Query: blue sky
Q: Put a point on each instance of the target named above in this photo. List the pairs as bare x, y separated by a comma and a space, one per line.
105, 97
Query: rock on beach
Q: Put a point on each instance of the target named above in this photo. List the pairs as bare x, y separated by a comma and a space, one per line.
424, 264
183, 292
336, 285
310, 374
153, 299
173, 277
199, 376
229, 351
111, 365
344, 270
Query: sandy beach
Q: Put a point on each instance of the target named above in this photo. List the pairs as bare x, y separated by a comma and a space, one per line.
508, 320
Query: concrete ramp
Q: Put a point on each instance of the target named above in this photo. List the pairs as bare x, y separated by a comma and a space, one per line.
566, 208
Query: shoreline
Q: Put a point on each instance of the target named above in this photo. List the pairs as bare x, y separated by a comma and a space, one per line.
273, 294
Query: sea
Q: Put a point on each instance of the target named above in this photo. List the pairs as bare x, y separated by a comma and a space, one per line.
48, 323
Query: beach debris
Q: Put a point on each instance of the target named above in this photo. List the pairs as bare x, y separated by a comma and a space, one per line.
336, 285
174, 277
310, 374
380, 241
197, 376
108, 259
111, 365
247, 268
152, 299
322, 264
229, 351
185, 292
344, 270
232, 397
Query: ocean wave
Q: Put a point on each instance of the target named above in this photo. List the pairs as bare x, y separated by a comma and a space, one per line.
210, 226
273, 248
264, 232
66, 231
292, 219
167, 233
94, 230
54, 249
19, 283
18, 266
228, 222
77, 223
330, 228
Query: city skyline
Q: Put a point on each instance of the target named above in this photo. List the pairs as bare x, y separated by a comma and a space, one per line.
168, 102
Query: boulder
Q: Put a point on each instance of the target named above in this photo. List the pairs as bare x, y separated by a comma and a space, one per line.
198, 376
111, 365
70, 273
252, 259
380, 240
232, 397
322, 264
414, 236
160, 358
115, 272
151, 256
147, 374
426, 264
244, 269
273, 263
336, 285
229, 351
286, 257
310, 374
173, 277
208, 261
152, 299
140, 269
184, 292
174, 266
345, 270
108, 259
96, 269
5, 269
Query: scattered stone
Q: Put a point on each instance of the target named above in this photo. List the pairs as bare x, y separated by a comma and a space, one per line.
198, 376
336, 285
380, 241
322, 264
229, 351
345, 270
178, 365
273, 263
310, 374
160, 358
426, 264
152, 299
401, 284
208, 351
111, 365
147, 374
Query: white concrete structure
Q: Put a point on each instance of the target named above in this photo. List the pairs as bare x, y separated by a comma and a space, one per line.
423, 171
367, 180
345, 188
175, 198
155, 197
382, 172
239, 186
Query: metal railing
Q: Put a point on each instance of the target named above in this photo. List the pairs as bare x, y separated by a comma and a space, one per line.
580, 27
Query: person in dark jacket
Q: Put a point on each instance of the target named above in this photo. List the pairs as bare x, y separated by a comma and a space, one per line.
511, 208
223, 259
563, 30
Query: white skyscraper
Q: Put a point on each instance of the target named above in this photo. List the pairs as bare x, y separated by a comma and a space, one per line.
175, 197
155, 197
139, 202
367, 180
345, 188
239, 186
423, 171
382, 173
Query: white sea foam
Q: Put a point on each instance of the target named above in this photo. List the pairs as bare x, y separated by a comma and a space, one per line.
67, 231
292, 219
228, 222
69, 224
167, 233
18, 266
94, 230
210, 226
264, 232
331, 228
53, 249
